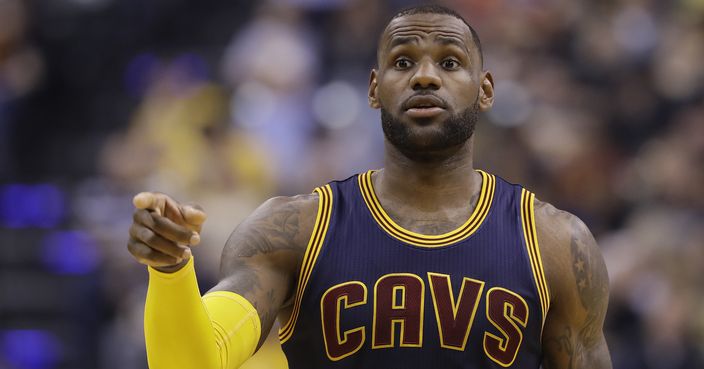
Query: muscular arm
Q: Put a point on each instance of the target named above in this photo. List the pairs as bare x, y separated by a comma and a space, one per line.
261, 258
573, 335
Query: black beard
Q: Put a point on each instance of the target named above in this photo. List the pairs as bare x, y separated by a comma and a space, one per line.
452, 133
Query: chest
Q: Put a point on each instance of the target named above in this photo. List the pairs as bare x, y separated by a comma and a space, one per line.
372, 292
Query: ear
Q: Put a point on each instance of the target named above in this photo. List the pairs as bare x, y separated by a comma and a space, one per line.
486, 91
373, 91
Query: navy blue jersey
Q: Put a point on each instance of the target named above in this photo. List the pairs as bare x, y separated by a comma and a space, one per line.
372, 294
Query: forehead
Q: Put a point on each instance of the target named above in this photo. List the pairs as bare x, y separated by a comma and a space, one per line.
427, 26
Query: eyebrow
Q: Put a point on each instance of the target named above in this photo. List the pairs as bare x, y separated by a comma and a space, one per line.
402, 40
453, 41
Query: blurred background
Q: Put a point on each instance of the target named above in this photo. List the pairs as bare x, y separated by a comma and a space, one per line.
599, 110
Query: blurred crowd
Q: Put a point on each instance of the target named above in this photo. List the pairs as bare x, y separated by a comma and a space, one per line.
599, 110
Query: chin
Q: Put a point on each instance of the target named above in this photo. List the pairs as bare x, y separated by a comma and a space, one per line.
429, 146
428, 137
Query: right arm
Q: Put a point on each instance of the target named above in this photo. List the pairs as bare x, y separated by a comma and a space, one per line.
258, 269
261, 258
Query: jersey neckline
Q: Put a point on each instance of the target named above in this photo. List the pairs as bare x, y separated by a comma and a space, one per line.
481, 210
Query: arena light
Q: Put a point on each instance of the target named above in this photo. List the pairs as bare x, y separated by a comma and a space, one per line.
39, 205
70, 252
30, 349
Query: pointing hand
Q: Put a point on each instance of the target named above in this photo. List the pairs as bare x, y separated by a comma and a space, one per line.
163, 230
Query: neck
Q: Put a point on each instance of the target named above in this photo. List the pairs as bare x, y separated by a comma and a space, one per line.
442, 180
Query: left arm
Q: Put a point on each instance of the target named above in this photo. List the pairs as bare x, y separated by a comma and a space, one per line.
573, 335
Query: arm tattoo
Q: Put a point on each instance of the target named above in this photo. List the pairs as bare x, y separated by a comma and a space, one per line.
565, 345
270, 232
265, 234
592, 283
261, 255
575, 339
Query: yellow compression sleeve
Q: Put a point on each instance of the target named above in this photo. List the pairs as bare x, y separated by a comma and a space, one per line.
184, 331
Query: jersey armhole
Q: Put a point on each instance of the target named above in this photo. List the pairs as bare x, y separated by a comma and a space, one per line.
530, 236
315, 244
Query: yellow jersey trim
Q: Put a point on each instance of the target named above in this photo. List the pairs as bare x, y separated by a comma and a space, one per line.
533, 248
475, 220
315, 244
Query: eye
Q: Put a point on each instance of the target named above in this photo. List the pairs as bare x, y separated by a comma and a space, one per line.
450, 64
402, 63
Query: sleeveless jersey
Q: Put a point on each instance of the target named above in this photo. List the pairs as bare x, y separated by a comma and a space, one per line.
372, 294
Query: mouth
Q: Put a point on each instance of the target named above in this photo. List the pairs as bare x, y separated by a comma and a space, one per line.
424, 106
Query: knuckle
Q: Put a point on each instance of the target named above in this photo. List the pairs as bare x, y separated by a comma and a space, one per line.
148, 236
137, 250
160, 225
135, 230
171, 230
147, 253
185, 235
130, 246
142, 216
169, 249
162, 197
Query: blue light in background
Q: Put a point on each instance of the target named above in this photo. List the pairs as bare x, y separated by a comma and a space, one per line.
70, 252
12, 201
145, 68
30, 349
193, 65
139, 73
41, 205
52, 206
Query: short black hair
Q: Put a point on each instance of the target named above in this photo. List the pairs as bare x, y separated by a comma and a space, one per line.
439, 9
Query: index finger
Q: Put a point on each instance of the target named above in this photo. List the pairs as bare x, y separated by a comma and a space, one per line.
193, 214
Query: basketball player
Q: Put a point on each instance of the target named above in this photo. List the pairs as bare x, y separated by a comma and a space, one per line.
427, 263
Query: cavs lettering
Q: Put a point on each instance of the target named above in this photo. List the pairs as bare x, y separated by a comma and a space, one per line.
398, 303
370, 291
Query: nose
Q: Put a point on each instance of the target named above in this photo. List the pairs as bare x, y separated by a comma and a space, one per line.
426, 76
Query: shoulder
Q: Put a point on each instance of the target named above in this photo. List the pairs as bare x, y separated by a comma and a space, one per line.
278, 231
298, 210
558, 226
304, 204
572, 259
291, 217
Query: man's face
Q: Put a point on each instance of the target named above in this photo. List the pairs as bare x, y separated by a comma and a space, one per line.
428, 83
